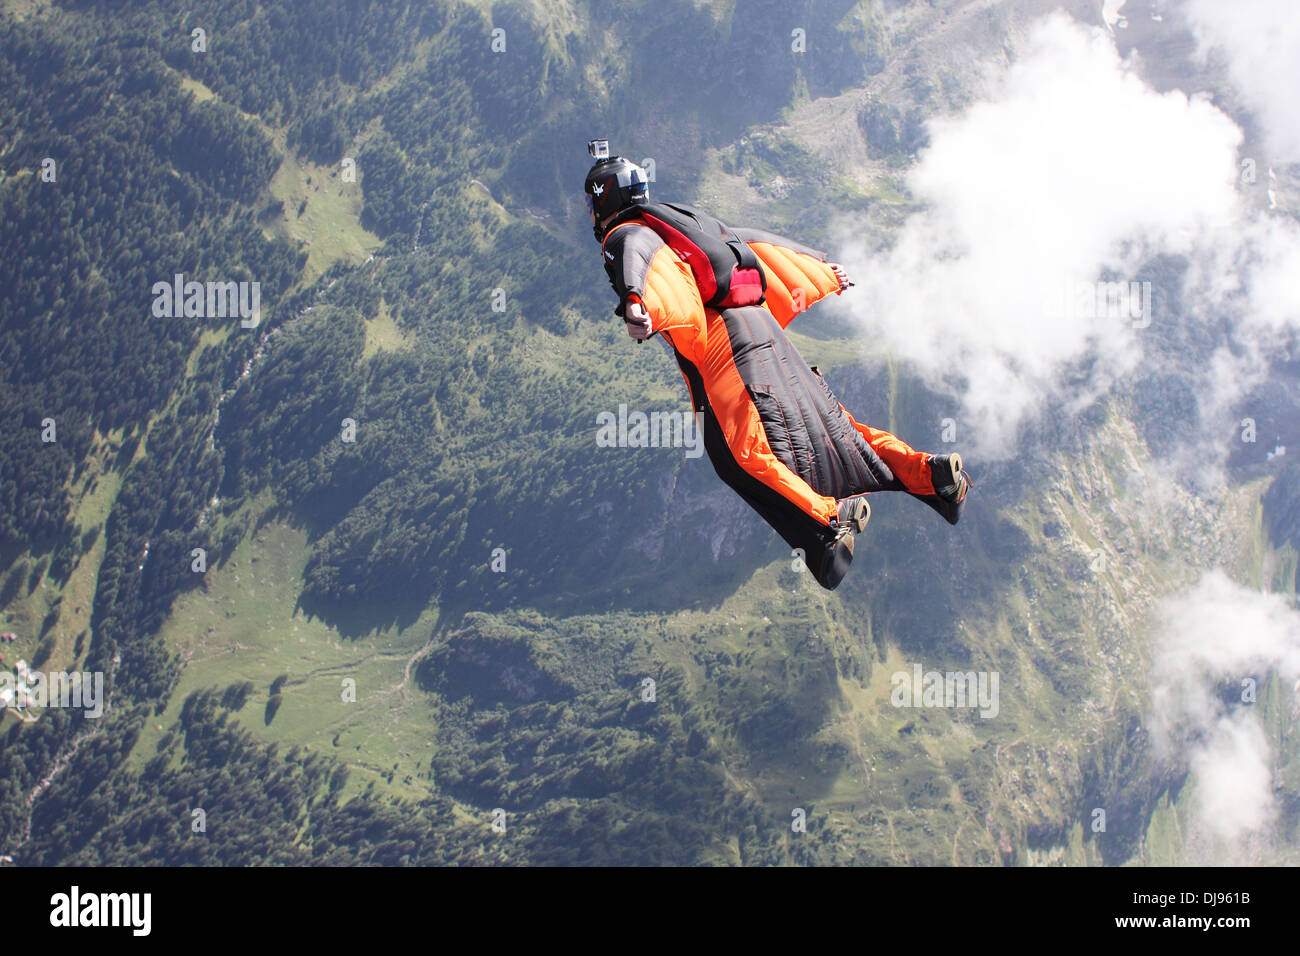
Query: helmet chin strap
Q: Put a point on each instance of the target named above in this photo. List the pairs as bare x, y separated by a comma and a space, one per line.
599, 228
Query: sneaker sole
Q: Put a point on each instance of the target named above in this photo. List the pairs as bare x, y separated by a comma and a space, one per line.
956, 474
838, 559
860, 515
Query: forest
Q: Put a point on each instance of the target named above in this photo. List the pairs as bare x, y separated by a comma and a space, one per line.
134, 151
570, 654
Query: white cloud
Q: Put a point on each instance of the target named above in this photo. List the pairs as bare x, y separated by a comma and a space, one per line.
1074, 169
1261, 39
1220, 634
1233, 771
1272, 275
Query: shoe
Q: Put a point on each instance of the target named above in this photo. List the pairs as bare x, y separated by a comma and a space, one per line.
855, 512
835, 560
951, 484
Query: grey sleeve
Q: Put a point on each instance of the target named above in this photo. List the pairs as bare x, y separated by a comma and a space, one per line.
627, 254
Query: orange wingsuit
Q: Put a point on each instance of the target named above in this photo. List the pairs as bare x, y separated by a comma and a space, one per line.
773, 429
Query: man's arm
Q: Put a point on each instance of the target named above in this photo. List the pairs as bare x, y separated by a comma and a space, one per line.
656, 290
758, 235
751, 236
797, 275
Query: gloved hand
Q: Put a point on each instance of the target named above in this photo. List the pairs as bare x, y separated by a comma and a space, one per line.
840, 274
638, 320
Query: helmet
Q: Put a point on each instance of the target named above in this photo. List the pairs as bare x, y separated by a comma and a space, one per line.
614, 183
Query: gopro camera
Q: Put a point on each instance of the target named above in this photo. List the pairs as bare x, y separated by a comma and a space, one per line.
598, 148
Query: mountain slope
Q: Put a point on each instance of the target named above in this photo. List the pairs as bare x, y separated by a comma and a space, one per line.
395, 480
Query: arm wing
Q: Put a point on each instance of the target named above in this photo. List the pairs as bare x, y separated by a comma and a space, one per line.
797, 276
641, 265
